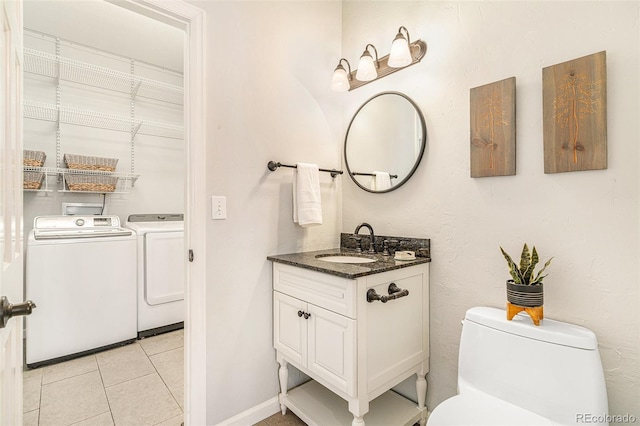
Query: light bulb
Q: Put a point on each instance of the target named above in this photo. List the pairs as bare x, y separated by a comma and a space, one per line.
340, 79
400, 55
366, 68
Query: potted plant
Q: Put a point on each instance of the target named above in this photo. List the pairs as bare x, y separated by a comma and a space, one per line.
525, 288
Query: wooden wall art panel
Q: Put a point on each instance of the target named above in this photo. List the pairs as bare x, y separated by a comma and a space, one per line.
493, 129
575, 114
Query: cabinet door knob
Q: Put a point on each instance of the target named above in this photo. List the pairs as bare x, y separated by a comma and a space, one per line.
307, 315
300, 313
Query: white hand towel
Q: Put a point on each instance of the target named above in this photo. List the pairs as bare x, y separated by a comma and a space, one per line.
307, 208
380, 181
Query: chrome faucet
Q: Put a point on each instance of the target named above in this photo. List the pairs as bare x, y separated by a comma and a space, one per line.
372, 248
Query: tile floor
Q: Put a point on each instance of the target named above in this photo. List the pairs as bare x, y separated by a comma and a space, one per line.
278, 419
134, 385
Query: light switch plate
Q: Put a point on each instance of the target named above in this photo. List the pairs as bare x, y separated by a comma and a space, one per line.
218, 207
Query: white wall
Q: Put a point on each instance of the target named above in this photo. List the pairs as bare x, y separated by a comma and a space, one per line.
268, 98
587, 220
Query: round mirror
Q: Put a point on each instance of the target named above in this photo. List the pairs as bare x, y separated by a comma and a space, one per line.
385, 142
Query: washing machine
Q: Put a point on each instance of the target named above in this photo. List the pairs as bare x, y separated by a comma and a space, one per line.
161, 271
82, 271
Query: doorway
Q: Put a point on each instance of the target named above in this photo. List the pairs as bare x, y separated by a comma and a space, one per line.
190, 20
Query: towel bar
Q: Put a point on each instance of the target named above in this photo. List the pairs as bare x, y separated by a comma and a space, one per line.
272, 165
370, 174
394, 293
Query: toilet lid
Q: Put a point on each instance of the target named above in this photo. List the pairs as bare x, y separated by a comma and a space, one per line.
475, 408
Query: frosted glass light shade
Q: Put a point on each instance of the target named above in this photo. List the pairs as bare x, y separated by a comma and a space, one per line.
340, 80
366, 68
400, 55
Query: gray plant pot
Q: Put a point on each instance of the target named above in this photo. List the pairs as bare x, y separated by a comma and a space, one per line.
529, 296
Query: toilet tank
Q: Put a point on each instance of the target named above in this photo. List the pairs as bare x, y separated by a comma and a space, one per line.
553, 370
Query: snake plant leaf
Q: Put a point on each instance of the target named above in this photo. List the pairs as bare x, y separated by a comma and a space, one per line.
525, 259
539, 277
538, 280
534, 257
513, 268
534, 261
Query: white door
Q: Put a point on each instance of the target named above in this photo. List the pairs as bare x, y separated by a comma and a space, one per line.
164, 267
11, 238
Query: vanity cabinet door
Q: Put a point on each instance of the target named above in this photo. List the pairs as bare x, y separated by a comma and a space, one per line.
332, 348
289, 329
316, 339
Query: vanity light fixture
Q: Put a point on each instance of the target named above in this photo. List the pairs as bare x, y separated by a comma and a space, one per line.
404, 53
341, 77
367, 67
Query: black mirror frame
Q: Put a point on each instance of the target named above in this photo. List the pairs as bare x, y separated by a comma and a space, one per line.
422, 148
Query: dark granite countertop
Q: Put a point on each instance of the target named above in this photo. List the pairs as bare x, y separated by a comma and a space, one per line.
309, 260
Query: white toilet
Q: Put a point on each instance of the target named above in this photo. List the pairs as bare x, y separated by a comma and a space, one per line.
514, 373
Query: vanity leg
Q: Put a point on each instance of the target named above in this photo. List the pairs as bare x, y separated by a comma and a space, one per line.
421, 389
357, 421
283, 374
358, 407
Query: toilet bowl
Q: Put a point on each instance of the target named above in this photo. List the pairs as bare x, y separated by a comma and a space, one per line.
514, 373
481, 409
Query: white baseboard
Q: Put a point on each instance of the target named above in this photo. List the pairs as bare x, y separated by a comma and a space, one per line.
254, 414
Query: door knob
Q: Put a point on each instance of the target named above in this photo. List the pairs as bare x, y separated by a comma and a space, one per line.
7, 310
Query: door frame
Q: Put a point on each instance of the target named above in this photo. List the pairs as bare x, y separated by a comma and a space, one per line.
192, 20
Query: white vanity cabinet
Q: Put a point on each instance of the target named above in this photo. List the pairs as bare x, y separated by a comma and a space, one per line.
354, 350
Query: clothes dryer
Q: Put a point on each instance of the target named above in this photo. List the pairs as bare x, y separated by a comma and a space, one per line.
161, 271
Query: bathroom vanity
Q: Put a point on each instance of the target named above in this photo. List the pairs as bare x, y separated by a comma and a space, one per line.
357, 329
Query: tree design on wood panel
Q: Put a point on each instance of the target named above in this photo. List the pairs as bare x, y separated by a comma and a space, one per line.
490, 120
574, 109
493, 129
577, 99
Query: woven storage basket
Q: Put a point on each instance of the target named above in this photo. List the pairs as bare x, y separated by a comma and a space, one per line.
32, 180
33, 158
91, 183
84, 162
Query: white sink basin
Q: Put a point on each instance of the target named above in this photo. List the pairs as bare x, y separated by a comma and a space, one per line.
346, 259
